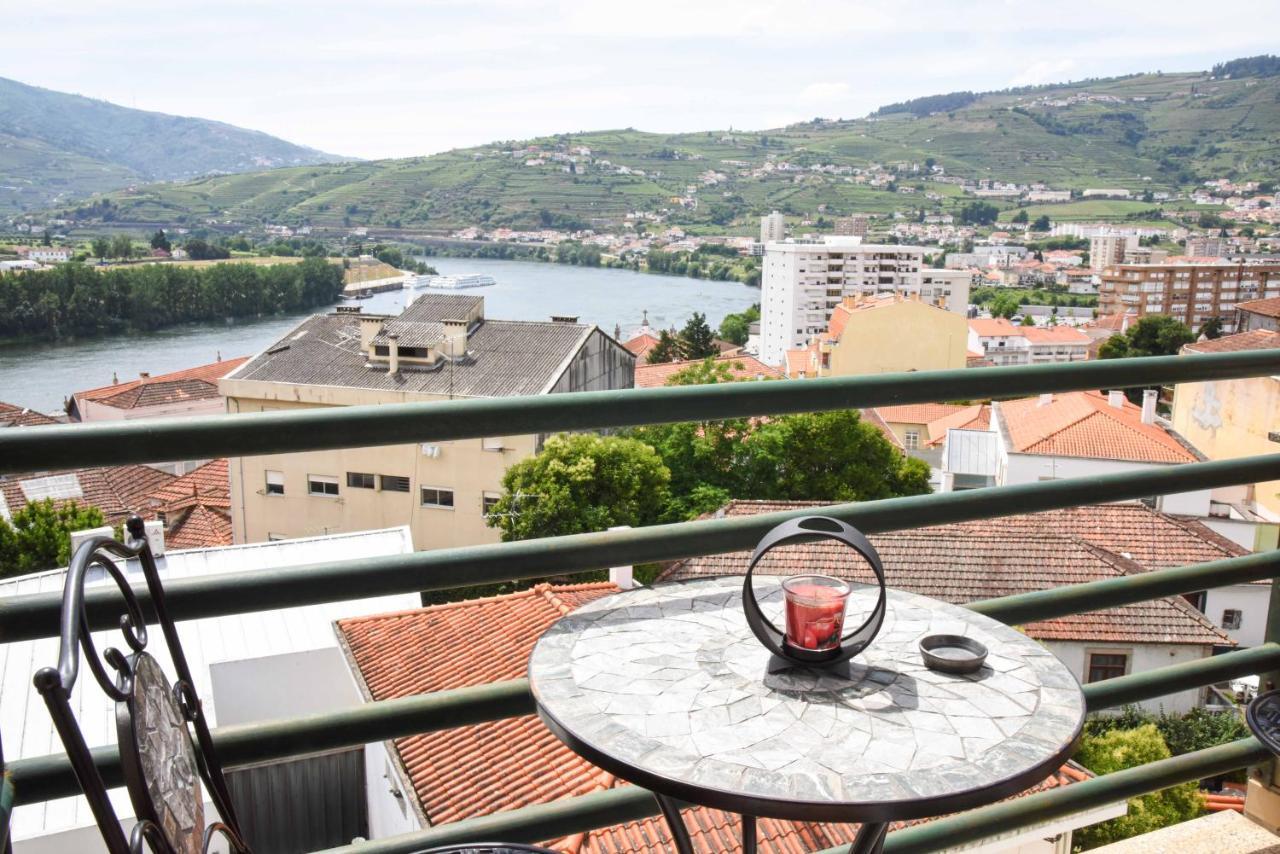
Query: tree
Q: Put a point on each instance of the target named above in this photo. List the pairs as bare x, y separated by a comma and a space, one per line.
46, 239
122, 246
735, 328
696, 340
1028, 320
1152, 335
666, 350
1128, 748
160, 240
1212, 328
101, 247
39, 535
1020, 216
1042, 223
1005, 305
579, 483
707, 372
201, 250
979, 213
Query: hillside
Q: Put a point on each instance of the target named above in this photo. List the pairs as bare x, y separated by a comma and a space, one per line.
55, 146
1141, 132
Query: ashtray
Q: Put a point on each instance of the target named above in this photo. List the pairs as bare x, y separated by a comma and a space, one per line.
952, 653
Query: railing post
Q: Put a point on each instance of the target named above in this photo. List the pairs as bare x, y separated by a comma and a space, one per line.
623, 576
1262, 799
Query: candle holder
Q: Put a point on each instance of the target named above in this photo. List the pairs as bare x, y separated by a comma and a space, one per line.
813, 638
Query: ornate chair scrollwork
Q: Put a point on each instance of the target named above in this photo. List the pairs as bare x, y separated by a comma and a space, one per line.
155, 720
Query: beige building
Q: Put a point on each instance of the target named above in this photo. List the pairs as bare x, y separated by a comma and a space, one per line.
853, 226
882, 334
1106, 250
1227, 419
1192, 293
439, 348
773, 227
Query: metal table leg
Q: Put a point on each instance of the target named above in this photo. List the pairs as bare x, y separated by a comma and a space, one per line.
870, 839
748, 834
679, 833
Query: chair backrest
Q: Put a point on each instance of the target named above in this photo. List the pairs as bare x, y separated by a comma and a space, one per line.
6, 803
154, 720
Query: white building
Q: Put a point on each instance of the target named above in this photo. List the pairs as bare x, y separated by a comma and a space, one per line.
50, 254
804, 281
946, 288
247, 667
1107, 250
773, 227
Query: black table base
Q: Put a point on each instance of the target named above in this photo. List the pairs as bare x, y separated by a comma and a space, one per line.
870, 838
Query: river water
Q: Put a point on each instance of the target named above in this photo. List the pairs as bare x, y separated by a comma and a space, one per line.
41, 376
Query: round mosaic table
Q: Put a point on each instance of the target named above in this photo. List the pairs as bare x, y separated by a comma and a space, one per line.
667, 688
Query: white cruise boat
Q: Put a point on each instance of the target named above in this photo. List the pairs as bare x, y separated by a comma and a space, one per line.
454, 283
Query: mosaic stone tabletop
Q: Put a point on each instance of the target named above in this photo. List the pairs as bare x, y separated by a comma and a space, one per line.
667, 687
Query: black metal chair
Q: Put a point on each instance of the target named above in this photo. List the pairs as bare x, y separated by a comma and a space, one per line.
6, 804
154, 719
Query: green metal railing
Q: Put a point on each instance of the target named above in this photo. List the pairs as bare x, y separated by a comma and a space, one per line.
43, 448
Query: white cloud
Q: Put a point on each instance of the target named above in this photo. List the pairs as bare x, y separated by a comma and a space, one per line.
824, 93
1044, 71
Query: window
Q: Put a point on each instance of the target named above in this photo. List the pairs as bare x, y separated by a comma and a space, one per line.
1232, 618
488, 501
912, 440
359, 480
1106, 665
394, 483
275, 482
435, 497
322, 484
492, 443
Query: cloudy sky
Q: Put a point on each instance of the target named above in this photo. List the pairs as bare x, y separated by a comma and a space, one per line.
395, 78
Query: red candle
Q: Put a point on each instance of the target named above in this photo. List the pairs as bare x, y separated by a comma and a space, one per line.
815, 611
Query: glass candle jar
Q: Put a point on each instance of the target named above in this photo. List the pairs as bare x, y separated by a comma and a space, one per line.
815, 607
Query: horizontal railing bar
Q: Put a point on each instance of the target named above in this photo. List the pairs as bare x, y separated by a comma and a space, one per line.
1078, 797
48, 777
36, 615
1161, 681
158, 440
1022, 608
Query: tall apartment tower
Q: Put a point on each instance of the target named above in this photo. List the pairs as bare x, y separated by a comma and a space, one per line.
803, 281
773, 227
1107, 250
853, 226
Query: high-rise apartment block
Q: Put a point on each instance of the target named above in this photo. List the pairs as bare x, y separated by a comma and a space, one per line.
773, 227
1107, 250
803, 281
853, 226
1192, 293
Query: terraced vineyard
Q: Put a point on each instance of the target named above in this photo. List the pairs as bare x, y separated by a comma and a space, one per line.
1144, 132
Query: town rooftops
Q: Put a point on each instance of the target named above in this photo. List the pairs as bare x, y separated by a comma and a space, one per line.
917, 413
1269, 307
115, 490
1086, 424
196, 507
499, 358
486, 768
20, 416
199, 383
1255, 339
1118, 322
740, 367
994, 327
640, 345
966, 562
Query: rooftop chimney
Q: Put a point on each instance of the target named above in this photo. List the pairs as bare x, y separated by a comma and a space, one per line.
370, 326
146, 375
1149, 405
454, 344
1115, 397
1046, 399
393, 353
564, 318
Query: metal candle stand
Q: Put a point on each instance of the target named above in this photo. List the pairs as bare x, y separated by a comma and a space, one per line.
784, 653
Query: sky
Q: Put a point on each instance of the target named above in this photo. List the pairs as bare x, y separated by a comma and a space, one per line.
401, 78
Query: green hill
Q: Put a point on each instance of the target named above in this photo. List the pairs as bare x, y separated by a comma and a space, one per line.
1142, 132
55, 146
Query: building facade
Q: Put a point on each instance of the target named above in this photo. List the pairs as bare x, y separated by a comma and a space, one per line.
1258, 314
1107, 250
853, 226
773, 227
440, 348
946, 288
1192, 293
803, 282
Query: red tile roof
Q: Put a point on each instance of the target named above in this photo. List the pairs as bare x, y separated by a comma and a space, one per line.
800, 361
1084, 424
196, 508
486, 768
966, 562
641, 345
976, 417
199, 383
20, 416
1269, 307
873, 417
1257, 339
741, 367
209, 479
1114, 322
1060, 334
994, 327
918, 413
116, 490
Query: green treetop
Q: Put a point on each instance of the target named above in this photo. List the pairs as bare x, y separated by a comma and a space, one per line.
696, 340
1152, 335
39, 535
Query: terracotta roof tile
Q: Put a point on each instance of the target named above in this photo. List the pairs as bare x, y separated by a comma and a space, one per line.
641, 345
1269, 307
1114, 322
202, 527
918, 413
20, 416
1257, 339
800, 361
1084, 424
115, 490
209, 479
999, 557
873, 417
976, 417
993, 327
199, 383
741, 367
1060, 334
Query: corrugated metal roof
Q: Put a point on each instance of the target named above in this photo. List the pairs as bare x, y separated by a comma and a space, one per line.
972, 452
25, 722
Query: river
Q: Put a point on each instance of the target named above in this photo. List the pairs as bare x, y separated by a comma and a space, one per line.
42, 375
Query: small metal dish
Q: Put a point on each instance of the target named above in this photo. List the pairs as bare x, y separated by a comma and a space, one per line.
952, 653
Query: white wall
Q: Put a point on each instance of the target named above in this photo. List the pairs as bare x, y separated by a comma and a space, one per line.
1142, 657
93, 411
1029, 468
1251, 600
276, 686
389, 814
